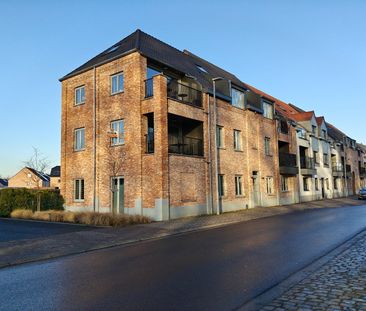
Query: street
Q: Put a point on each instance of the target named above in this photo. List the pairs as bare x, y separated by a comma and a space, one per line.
216, 269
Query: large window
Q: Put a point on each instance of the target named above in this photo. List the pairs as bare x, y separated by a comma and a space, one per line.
267, 110
117, 83
220, 137
221, 185
306, 183
237, 140
118, 128
238, 185
284, 183
80, 95
79, 190
237, 98
335, 182
79, 139
267, 146
316, 181
269, 185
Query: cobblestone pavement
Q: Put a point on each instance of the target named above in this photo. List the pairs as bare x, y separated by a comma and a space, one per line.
340, 284
21, 251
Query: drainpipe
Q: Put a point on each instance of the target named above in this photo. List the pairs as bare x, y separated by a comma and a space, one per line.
215, 146
345, 167
209, 154
94, 139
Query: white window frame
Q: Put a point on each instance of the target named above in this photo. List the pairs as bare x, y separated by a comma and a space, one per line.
238, 185
77, 91
115, 127
119, 88
239, 96
269, 184
284, 183
268, 112
220, 137
80, 184
79, 139
237, 140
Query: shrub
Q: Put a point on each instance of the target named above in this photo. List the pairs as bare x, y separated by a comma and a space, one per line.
22, 213
15, 198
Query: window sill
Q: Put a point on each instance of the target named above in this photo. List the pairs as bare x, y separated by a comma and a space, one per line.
117, 145
119, 92
79, 150
240, 196
238, 150
78, 201
269, 155
80, 104
222, 148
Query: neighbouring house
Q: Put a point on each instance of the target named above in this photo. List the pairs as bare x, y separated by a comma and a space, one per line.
29, 178
149, 129
3, 183
55, 179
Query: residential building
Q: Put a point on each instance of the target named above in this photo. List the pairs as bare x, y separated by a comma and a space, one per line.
3, 183
29, 178
55, 177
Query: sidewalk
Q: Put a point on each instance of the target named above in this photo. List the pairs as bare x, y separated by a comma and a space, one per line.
23, 251
340, 284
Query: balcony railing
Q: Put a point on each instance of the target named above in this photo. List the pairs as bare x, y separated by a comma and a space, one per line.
337, 167
307, 163
189, 146
149, 139
149, 88
184, 93
287, 159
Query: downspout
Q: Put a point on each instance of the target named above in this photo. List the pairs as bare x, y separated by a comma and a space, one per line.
94, 139
345, 167
210, 198
216, 156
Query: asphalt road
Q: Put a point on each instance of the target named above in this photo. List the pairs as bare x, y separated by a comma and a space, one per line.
11, 229
217, 269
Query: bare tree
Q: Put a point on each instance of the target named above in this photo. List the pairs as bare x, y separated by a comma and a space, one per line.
39, 163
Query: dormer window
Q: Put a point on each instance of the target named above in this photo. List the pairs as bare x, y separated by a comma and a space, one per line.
324, 134
313, 129
267, 110
237, 98
200, 68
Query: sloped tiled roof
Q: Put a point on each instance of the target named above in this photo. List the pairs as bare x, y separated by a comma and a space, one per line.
335, 133
320, 120
303, 116
41, 175
55, 171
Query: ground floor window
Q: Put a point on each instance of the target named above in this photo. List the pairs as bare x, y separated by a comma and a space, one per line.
269, 184
327, 183
284, 183
306, 183
335, 182
79, 189
316, 181
238, 185
221, 187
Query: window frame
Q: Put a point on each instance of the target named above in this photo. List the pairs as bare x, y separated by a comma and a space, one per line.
81, 190
77, 130
221, 185
123, 138
269, 185
237, 140
238, 185
267, 146
305, 185
79, 88
316, 183
123, 82
220, 143
284, 184
266, 103
233, 90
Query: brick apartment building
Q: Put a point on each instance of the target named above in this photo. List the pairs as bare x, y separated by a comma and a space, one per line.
144, 131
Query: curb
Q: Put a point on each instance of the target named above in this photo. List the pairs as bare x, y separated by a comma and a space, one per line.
277, 290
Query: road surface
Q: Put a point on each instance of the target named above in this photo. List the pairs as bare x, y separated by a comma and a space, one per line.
216, 269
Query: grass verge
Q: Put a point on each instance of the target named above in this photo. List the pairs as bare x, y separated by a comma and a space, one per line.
86, 218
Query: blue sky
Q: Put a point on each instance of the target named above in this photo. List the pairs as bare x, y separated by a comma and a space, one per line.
310, 53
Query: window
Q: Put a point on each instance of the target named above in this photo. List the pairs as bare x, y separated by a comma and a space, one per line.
238, 185
284, 183
267, 110
237, 140
316, 156
325, 159
221, 187
327, 183
301, 133
335, 183
324, 134
80, 95
151, 72
118, 127
220, 137
117, 83
269, 185
313, 129
316, 181
237, 98
306, 183
201, 68
79, 190
267, 146
79, 139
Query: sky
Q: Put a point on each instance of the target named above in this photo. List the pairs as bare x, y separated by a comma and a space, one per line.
309, 53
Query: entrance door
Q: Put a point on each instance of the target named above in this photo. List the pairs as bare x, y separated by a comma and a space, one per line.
322, 186
255, 189
118, 184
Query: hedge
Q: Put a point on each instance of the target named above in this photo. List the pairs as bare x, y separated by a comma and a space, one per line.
15, 198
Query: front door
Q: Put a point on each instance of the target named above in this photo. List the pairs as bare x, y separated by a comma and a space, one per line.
255, 191
118, 185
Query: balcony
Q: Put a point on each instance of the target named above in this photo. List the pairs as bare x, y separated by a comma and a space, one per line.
184, 93
288, 164
307, 166
149, 88
187, 146
337, 170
